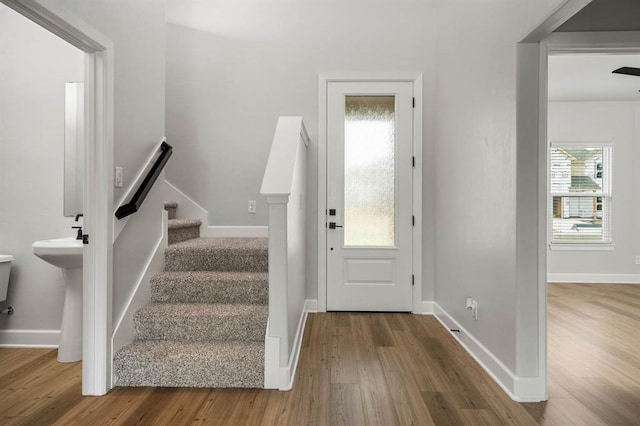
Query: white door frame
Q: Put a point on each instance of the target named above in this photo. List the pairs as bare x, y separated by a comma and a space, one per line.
98, 190
532, 152
324, 80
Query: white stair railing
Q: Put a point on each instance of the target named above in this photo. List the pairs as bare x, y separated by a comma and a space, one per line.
284, 186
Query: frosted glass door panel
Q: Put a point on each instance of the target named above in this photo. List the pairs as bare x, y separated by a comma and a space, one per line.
369, 171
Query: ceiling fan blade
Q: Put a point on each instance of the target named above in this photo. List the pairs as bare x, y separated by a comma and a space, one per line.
628, 71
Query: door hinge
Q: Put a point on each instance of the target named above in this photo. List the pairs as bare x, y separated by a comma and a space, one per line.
413, 103
413, 220
85, 239
413, 279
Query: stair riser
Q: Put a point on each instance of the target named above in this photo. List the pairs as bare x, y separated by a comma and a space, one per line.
183, 234
200, 328
216, 261
250, 293
192, 375
190, 365
171, 211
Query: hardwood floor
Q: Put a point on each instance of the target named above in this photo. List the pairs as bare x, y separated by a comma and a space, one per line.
370, 369
594, 355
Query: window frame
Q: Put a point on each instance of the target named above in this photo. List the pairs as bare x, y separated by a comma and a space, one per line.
605, 170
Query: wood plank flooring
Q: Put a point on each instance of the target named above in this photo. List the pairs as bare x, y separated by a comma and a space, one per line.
594, 355
372, 369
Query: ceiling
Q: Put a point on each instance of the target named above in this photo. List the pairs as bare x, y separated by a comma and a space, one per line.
588, 77
605, 15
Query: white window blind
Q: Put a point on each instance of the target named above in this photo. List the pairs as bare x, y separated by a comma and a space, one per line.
580, 189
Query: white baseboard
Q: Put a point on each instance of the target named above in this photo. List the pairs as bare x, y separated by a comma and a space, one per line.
281, 378
530, 389
29, 338
237, 231
521, 389
187, 207
311, 305
425, 308
295, 351
593, 278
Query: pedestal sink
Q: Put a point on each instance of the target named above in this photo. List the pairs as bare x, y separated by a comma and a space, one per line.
66, 253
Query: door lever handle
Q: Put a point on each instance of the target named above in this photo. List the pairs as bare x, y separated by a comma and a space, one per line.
332, 225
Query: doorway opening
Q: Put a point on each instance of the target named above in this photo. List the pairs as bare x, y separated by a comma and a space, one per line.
97, 188
591, 149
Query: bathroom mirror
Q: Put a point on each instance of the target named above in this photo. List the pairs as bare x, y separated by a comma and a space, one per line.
73, 148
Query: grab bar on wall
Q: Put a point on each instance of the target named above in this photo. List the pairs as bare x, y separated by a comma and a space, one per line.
136, 201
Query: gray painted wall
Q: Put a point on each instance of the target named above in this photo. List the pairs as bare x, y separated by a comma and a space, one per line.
137, 30
475, 161
34, 66
616, 122
232, 68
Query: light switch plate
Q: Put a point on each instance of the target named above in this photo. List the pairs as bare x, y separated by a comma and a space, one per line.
118, 177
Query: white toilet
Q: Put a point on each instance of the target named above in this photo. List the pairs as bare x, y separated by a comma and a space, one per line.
5, 268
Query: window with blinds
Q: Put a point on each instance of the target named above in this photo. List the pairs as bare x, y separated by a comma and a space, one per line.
580, 190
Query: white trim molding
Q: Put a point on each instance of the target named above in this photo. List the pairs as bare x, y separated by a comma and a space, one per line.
311, 305
583, 278
581, 247
187, 207
323, 81
29, 338
521, 389
426, 308
281, 378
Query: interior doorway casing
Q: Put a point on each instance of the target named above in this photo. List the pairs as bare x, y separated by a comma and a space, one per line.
324, 80
532, 152
98, 190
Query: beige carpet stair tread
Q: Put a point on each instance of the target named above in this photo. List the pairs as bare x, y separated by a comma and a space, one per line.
184, 223
170, 204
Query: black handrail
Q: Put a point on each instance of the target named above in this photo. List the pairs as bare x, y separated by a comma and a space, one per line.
144, 188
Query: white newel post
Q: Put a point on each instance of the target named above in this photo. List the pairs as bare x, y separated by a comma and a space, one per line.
278, 293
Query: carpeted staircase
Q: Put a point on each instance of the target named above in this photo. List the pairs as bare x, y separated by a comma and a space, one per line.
206, 322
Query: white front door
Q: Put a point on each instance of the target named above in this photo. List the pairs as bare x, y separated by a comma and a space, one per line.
369, 196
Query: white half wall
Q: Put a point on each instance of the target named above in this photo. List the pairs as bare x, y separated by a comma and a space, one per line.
618, 123
34, 67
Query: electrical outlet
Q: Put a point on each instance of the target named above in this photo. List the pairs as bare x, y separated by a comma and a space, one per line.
637, 260
252, 207
118, 177
472, 306
469, 303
